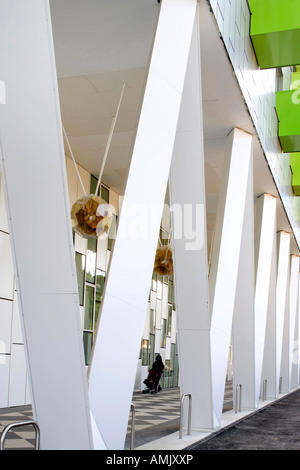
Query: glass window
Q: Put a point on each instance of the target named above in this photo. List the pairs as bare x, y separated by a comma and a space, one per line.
93, 185
91, 260
159, 286
154, 281
170, 291
169, 320
164, 236
80, 269
89, 308
105, 193
145, 352
151, 349
100, 280
104, 190
152, 321
163, 333
166, 377
87, 345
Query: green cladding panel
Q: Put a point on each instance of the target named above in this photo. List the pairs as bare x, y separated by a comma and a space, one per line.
288, 112
275, 32
295, 166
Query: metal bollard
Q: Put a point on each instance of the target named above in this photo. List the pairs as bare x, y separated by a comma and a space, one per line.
280, 385
238, 398
265, 385
189, 414
132, 407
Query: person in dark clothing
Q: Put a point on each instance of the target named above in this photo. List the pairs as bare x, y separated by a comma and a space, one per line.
154, 376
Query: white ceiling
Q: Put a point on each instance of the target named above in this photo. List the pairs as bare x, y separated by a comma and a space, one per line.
99, 44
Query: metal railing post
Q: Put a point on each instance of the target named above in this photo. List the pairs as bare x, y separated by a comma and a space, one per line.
189, 414
265, 384
280, 385
238, 398
132, 426
21, 423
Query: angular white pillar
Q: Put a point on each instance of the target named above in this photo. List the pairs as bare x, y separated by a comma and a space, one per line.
116, 349
265, 294
34, 177
187, 196
296, 346
292, 323
243, 329
282, 310
226, 256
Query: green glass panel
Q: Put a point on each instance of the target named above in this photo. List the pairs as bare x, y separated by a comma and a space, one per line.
80, 269
89, 308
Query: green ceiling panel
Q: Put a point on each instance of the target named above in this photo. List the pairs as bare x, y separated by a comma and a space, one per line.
275, 32
288, 112
295, 166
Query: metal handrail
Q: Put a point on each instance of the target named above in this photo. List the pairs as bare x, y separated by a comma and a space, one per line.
21, 423
238, 397
132, 407
189, 414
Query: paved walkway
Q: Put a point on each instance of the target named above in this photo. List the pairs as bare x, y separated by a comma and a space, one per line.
276, 425
156, 416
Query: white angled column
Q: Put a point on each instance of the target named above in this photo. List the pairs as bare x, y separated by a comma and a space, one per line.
282, 310
116, 349
226, 256
293, 321
295, 382
243, 329
265, 294
187, 197
34, 177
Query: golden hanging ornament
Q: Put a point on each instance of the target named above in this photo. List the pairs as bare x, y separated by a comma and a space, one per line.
92, 216
163, 263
